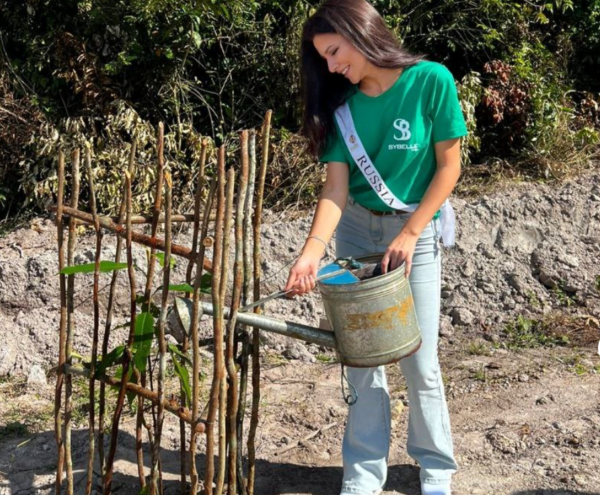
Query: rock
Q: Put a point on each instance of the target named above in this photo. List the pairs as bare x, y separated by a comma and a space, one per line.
468, 269
7, 354
523, 378
446, 328
488, 288
174, 327
514, 281
489, 254
37, 376
547, 279
297, 351
569, 260
462, 316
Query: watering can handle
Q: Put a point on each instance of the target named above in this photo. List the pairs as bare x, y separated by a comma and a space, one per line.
280, 293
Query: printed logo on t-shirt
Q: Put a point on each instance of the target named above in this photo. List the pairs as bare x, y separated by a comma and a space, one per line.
404, 127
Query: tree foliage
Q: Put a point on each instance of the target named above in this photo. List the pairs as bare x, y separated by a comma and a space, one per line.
526, 71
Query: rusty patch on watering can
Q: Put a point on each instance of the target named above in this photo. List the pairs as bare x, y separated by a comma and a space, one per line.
384, 319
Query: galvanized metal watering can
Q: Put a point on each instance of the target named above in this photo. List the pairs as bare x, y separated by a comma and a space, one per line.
373, 320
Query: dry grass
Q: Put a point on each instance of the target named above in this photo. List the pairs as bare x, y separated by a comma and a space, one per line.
294, 179
580, 330
560, 156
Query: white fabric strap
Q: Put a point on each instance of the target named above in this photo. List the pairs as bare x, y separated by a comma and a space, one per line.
365, 165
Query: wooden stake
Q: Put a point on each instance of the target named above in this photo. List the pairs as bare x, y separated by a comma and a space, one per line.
145, 240
238, 281
70, 324
185, 345
127, 354
162, 345
60, 448
109, 310
171, 405
92, 383
194, 337
224, 282
148, 301
218, 328
255, 337
248, 277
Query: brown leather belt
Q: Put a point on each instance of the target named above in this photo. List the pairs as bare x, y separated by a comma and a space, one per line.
385, 213
378, 213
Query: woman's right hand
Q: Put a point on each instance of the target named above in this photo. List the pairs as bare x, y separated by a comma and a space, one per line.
303, 274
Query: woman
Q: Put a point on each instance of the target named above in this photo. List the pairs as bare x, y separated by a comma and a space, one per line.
403, 114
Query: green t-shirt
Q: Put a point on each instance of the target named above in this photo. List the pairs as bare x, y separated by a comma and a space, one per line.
398, 130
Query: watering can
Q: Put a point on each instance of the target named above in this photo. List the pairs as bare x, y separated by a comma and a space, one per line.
373, 320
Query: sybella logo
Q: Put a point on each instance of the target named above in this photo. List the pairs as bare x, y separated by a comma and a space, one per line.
403, 126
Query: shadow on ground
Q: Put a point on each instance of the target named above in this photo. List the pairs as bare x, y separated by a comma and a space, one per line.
28, 463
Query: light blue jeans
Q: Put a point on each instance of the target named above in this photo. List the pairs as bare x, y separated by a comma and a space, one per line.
367, 437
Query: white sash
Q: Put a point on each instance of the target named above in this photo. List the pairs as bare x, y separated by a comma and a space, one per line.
365, 165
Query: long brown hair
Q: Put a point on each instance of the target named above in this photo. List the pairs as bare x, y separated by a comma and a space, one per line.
322, 91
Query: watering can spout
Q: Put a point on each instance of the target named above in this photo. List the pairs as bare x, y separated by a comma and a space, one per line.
296, 330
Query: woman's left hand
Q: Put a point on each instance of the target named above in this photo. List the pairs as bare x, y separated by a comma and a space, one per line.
400, 250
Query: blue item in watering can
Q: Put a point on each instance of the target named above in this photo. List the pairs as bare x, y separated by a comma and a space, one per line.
346, 277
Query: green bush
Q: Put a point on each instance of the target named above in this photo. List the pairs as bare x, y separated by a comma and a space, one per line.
527, 73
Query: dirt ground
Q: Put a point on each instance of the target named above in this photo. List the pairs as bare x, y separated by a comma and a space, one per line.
531, 426
518, 347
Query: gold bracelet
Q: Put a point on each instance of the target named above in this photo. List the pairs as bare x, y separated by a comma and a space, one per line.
318, 239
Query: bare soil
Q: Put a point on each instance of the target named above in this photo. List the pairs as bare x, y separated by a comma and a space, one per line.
518, 347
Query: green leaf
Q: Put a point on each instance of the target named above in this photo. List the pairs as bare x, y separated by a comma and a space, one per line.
206, 283
131, 396
142, 341
161, 259
182, 372
145, 490
105, 267
124, 325
154, 310
111, 358
130, 379
174, 349
196, 39
181, 288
